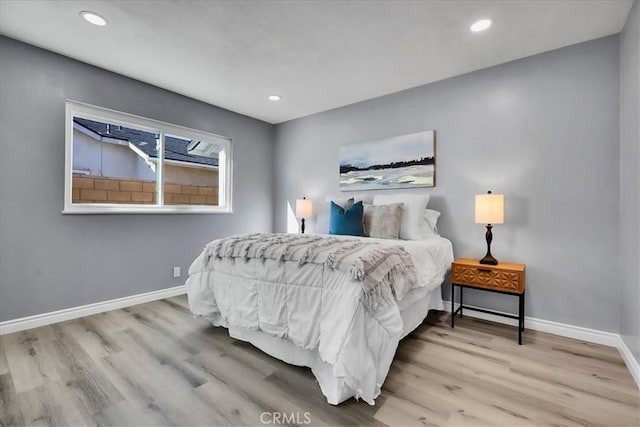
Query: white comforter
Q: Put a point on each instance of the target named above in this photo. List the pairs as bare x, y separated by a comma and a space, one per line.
314, 307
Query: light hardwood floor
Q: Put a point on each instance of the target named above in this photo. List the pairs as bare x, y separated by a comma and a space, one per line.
154, 364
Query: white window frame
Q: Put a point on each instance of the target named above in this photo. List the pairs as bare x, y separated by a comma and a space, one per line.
225, 162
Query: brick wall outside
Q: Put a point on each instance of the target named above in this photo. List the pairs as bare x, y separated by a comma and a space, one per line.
94, 189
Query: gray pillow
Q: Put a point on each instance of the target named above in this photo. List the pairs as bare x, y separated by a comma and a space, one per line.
383, 221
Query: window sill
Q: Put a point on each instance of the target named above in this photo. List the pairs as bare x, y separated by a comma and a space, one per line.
109, 210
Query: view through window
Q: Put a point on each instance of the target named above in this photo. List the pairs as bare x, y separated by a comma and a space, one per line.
120, 162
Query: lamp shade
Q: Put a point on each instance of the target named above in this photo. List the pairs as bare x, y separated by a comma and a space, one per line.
303, 208
490, 208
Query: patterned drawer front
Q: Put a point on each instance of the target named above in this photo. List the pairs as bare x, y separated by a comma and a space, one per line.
487, 278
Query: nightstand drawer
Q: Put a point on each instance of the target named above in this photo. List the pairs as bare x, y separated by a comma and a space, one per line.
505, 277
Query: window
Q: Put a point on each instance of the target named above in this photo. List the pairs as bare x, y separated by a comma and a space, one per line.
120, 163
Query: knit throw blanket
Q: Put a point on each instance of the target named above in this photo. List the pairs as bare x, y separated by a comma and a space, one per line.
377, 267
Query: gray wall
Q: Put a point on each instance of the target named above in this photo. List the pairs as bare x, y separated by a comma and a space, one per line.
542, 130
630, 181
50, 261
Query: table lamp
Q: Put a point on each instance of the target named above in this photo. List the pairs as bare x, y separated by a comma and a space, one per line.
489, 210
303, 210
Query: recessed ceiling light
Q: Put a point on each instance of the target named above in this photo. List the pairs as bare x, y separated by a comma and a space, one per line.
274, 97
93, 18
480, 25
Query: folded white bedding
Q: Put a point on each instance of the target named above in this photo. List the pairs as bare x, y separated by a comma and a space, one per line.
315, 308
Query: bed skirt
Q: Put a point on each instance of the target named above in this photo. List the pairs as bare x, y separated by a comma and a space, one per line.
414, 308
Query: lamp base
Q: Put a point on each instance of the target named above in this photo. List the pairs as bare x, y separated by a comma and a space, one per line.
489, 260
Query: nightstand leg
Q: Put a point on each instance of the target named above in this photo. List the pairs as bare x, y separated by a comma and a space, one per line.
453, 289
461, 294
521, 318
523, 311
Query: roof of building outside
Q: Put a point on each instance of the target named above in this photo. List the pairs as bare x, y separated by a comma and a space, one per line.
174, 148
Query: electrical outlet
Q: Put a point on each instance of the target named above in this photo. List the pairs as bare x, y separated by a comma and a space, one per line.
176, 271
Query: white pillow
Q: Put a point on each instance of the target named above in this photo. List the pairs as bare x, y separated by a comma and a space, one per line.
412, 212
429, 225
357, 197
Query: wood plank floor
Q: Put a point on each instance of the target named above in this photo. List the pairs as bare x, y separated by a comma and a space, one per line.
154, 364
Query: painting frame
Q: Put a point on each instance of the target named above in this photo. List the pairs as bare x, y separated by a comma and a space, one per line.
397, 162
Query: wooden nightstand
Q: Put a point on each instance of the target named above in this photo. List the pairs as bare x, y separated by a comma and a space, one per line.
504, 278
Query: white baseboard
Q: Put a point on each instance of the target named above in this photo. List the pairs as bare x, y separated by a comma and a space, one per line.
629, 360
609, 339
38, 320
577, 332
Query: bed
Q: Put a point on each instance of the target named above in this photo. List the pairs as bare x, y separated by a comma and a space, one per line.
286, 295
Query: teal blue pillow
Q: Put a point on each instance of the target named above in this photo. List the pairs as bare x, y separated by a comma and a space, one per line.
347, 222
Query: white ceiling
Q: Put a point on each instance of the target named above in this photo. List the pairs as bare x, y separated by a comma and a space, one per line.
317, 55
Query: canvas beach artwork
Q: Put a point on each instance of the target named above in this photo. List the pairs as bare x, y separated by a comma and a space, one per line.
398, 162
